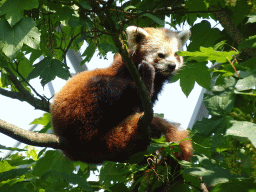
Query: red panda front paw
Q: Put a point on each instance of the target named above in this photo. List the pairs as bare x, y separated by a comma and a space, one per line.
147, 72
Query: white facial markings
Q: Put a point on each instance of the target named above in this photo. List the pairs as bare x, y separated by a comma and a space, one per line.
168, 60
161, 52
159, 47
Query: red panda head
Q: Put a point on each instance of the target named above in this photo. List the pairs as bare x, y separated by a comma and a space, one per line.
158, 46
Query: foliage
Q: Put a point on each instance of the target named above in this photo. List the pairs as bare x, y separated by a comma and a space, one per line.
224, 144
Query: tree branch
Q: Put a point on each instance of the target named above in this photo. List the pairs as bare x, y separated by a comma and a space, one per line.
11, 94
31, 138
23, 94
109, 24
23, 79
231, 29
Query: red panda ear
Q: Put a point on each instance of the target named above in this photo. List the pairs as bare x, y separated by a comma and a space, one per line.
184, 35
135, 35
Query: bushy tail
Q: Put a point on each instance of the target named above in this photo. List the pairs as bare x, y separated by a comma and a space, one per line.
172, 132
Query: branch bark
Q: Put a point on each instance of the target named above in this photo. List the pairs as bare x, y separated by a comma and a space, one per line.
231, 29
109, 24
56, 142
32, 138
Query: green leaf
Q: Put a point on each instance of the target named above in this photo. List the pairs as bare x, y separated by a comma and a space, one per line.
197, 5
129, 7
249, 63
210, 54
76, 179
61, 12
16, 185
218, 175
48, 69
219, 45
241, 10
191, 73
107, 47
155, 18
236, 185
203, 36
113, 172
53, 160
89, 52
14, 173
198, 171
180, 186
23, 32
250, 42
186, 82
119, 187
247, 83
243, 129
5, 166
25, 67
190, 179
35, 53
212, 174
85, 4
56, 178
206, 127
86, 22
31, 151
224, 82
220, 104
252, 18
18, 160
44, 120
202, 144
222, 100
14, 9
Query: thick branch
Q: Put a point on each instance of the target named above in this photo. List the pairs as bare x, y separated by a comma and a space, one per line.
37, 103
31, 138
231, 29
11, 94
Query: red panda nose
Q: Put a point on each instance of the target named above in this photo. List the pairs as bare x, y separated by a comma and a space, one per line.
172, 67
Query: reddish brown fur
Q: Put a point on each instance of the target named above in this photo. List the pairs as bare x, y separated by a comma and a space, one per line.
98, 111
126, 133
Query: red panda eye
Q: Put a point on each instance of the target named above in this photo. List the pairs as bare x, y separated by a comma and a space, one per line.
161, 55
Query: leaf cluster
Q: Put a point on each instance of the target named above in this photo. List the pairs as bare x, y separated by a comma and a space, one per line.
49, 170
35, 37
224, 142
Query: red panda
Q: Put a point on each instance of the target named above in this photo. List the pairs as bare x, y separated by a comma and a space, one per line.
98, 111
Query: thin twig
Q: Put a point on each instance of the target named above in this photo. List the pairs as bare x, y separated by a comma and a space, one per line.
17, 71
231, 63
24, 95
109, 24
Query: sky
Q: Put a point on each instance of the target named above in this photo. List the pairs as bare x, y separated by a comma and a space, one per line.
172, 102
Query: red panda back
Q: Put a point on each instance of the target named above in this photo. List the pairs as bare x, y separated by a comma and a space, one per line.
73, 103
97, 111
